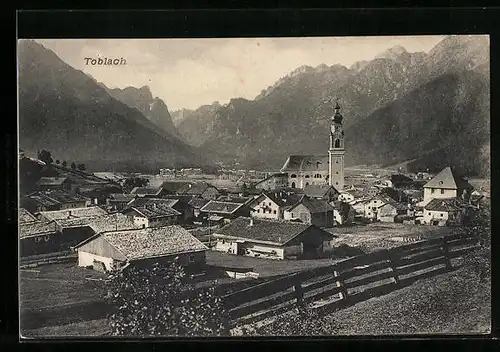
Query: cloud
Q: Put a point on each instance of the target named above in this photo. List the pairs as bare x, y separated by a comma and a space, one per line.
187, 73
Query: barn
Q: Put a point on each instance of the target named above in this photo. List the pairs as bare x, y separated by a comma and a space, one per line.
113, 250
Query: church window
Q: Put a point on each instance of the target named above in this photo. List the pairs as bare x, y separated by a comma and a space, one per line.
442, 190
337, 143
307, 176
293, 176
307, 183
293, 184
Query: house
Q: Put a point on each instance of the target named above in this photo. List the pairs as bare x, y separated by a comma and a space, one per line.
272, 205
444, 212
37, 237
53, 199
325, 192
181, 204
119, 201
303, 170
63, 183
270, 239
147, 192
25, 216
317, 212
224, 210
152, 215
197, 204
113, 250
371, 191
201, 189
272, 182
171, 187
446, 184
372, 206
346, 197
389, 211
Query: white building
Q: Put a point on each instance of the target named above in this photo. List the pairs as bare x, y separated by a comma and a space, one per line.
447, 184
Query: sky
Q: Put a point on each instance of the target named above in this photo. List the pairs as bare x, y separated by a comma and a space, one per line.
188, 73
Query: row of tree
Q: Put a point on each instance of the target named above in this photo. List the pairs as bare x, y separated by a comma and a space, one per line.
46, 157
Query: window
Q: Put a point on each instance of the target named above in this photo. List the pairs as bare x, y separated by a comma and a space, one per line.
258, 210
223, 242
337, 172
337, 143
37, 239
429, 214
191, 258
442, 190
274, 211
432, 190
307, 183
293, 184
336, 161
293, 176
442, 214
46, 238
269, 203
307, 176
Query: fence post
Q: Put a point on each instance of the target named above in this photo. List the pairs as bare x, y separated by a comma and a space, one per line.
446, 253
393, 264
340, 283
299, 294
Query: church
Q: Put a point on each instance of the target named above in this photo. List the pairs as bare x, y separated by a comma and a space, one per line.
303, 170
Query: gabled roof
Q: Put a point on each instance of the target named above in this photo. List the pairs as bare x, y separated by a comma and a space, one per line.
316, 191
448, 179
314, 205
306, 163
173, 186
275, 175
151, 242
215, 206
146, 191
87, 212
52, 181
25, 216
445, 205
154, 211
274, 232
233, 199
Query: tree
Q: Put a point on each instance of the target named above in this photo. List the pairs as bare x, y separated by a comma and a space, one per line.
73, 165
58, 162
131, 183
81, 167
244, 189
159, 301
45, 156
64, 163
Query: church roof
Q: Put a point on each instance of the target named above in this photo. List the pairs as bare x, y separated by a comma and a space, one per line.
306, 163
448, 179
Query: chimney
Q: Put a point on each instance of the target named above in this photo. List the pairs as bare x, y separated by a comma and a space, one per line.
251, 222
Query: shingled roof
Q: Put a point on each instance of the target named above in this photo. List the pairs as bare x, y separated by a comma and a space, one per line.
194, 189
198, 203
36, 228
25, 216
152, 242
108, 222
282, 199
141, 202
267, 231
52, 181
155, 211
87, 212
306, 163
121, 197
448, 179
215, 206
445, 205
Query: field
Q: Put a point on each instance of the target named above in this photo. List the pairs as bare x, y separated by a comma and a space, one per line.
376, 236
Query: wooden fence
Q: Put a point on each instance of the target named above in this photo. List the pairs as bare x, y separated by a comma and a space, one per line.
347, 282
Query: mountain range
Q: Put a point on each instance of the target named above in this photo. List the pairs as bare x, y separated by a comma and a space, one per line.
427, 109
65, 111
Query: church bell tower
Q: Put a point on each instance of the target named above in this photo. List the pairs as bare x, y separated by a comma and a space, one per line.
336, 152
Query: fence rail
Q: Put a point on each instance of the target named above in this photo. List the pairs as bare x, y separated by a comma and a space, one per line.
347, 282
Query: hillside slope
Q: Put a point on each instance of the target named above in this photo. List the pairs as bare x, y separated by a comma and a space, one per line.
63, 110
